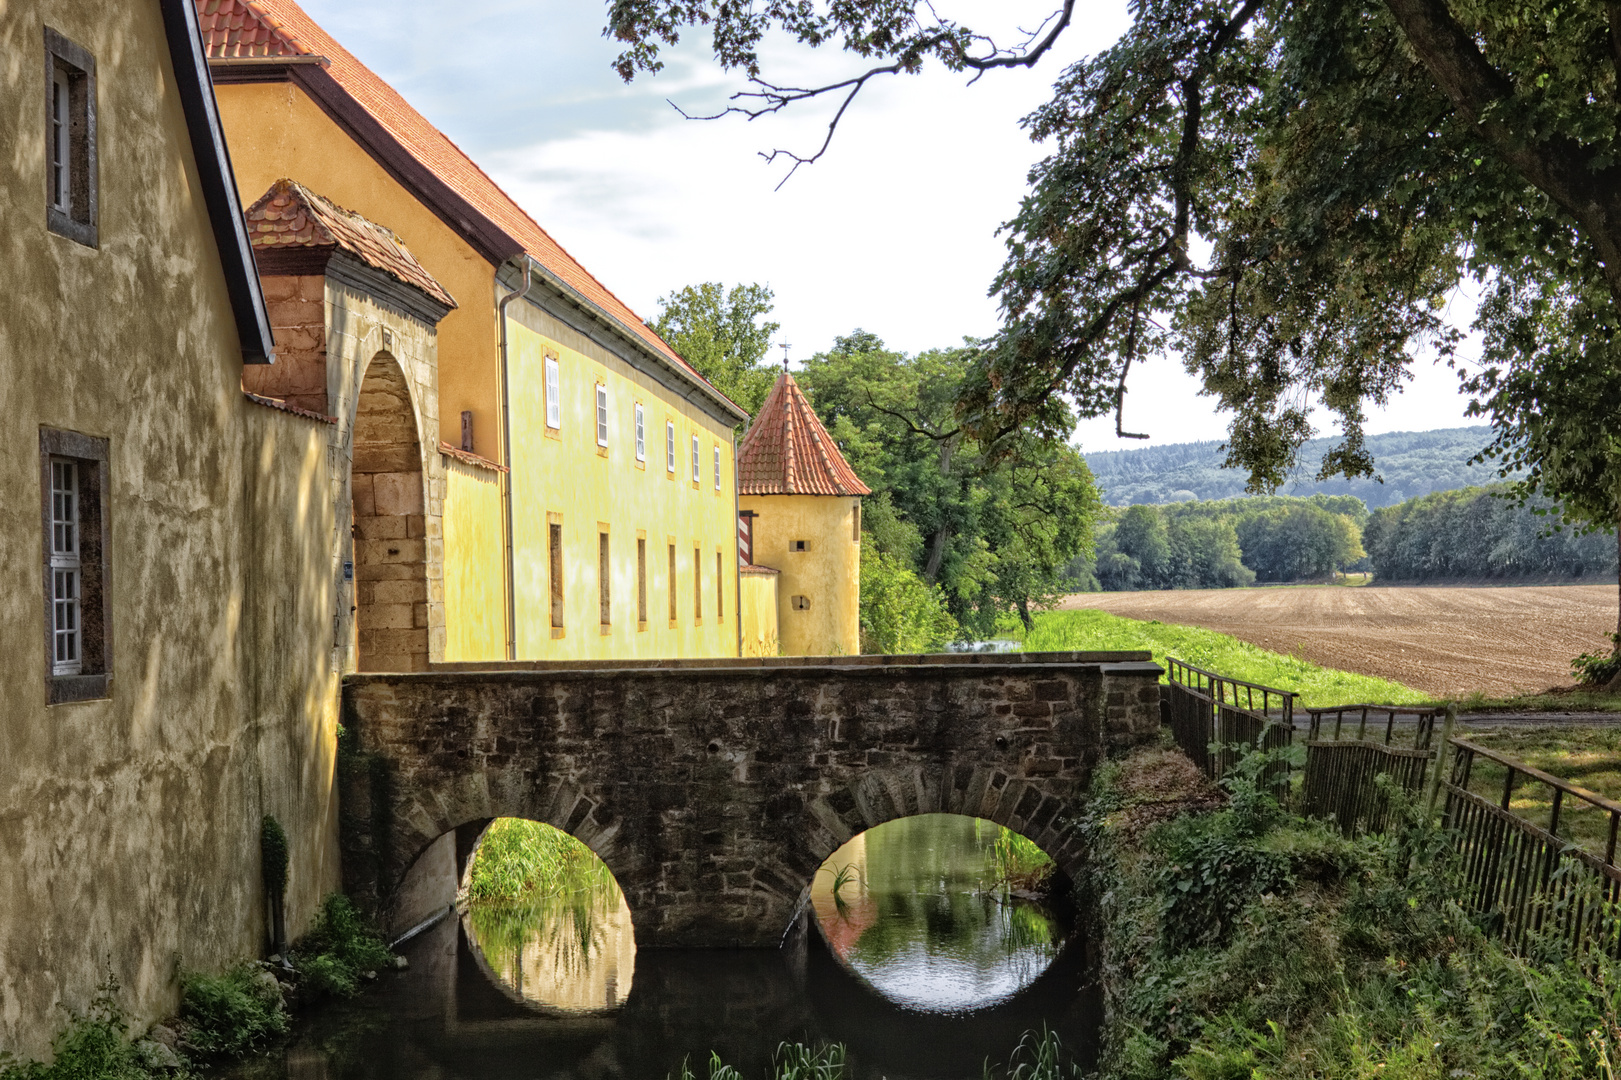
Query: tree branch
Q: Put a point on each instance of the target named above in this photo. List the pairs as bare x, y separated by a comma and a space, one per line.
1558, 166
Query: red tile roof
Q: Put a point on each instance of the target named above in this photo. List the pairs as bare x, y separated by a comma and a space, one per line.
265, 29
291, 215
788, 452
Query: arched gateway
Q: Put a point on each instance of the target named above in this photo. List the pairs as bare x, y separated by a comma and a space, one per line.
714, 789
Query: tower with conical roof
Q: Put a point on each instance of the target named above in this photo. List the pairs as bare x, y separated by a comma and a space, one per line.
805, 503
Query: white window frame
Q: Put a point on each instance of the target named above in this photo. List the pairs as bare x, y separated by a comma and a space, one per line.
717, 466
67, 570
697, 463
669, 447
61, 163
554, 394
641, 432
602, 415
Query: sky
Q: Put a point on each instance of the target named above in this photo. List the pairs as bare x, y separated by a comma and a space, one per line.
894, 231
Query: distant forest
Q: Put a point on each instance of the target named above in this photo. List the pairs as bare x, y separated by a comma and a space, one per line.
1412, 463
1471, 534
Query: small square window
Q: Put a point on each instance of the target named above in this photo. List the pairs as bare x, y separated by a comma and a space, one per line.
669, 447
602, 415
799, 603
641, 432
554, 394
78, 612
799, 545
70, 139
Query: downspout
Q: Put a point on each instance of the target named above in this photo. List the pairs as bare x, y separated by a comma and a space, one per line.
506, 459
737, 588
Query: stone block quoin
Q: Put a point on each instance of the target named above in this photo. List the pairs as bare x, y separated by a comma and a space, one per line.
714, 789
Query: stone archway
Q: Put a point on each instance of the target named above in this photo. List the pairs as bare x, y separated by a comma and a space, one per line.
390, 542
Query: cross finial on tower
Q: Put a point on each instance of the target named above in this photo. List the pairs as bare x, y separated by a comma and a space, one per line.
785, 348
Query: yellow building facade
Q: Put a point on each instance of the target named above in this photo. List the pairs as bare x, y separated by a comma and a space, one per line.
802, 505
557, 539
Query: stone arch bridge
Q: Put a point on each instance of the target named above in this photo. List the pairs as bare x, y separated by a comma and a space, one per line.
713, 789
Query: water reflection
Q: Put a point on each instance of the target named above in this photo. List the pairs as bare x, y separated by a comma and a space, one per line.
570, 951
914, 909
545, 993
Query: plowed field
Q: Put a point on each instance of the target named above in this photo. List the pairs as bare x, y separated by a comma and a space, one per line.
1444, 641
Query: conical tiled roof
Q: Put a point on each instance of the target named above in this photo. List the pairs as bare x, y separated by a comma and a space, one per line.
291, 215
788, 452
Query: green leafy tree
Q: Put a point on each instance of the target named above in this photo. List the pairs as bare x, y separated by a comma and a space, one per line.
899, 613
1284, 194
724, 335
994, 533
1298, 542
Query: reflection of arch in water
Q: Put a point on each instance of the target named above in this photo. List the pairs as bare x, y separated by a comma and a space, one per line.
572, 951
918, 908
390, 532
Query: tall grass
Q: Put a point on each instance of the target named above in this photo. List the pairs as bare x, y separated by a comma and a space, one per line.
1017, 863
1081, 631
520, 861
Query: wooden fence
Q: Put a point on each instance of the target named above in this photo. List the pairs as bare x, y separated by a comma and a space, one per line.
1558, 876
1530, 877
1204, 708
1342, 768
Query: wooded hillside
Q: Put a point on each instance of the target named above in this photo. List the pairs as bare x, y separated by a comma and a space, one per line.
1412, 463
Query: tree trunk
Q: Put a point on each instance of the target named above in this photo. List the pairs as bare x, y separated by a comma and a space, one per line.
937, 545
1024, 615
1617, 639
937, 554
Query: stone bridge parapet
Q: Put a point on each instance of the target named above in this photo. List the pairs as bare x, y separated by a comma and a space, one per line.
713, 789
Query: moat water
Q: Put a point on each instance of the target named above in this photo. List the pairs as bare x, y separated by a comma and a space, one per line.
921, 966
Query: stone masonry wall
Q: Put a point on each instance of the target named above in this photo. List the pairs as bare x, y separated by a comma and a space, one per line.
714, 789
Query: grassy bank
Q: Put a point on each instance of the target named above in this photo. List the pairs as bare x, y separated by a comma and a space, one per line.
1058, 631
1244, 943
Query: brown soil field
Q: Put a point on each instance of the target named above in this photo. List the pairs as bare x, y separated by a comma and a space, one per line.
1442, 640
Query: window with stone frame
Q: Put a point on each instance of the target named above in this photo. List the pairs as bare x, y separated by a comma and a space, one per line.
77, 596
70, 140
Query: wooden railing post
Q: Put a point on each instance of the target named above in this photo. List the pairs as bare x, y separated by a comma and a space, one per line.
1440, 759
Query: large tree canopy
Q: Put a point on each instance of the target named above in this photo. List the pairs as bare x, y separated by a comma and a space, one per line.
1284, 194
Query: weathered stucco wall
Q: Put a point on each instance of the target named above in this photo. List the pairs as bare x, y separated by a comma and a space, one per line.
827, 574
714, 789
129, 826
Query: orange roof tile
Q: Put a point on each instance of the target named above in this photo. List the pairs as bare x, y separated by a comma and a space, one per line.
788, 452
262, 29
291, 215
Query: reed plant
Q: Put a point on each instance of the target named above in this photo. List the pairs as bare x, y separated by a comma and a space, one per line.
520, 861
1017, 863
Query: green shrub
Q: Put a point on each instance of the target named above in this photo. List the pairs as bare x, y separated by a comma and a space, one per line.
340, 948
900, 612
94, 1046
1250, 944
230, 1014
1597, 669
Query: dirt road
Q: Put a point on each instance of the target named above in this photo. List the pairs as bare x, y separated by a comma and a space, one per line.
1441, 640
